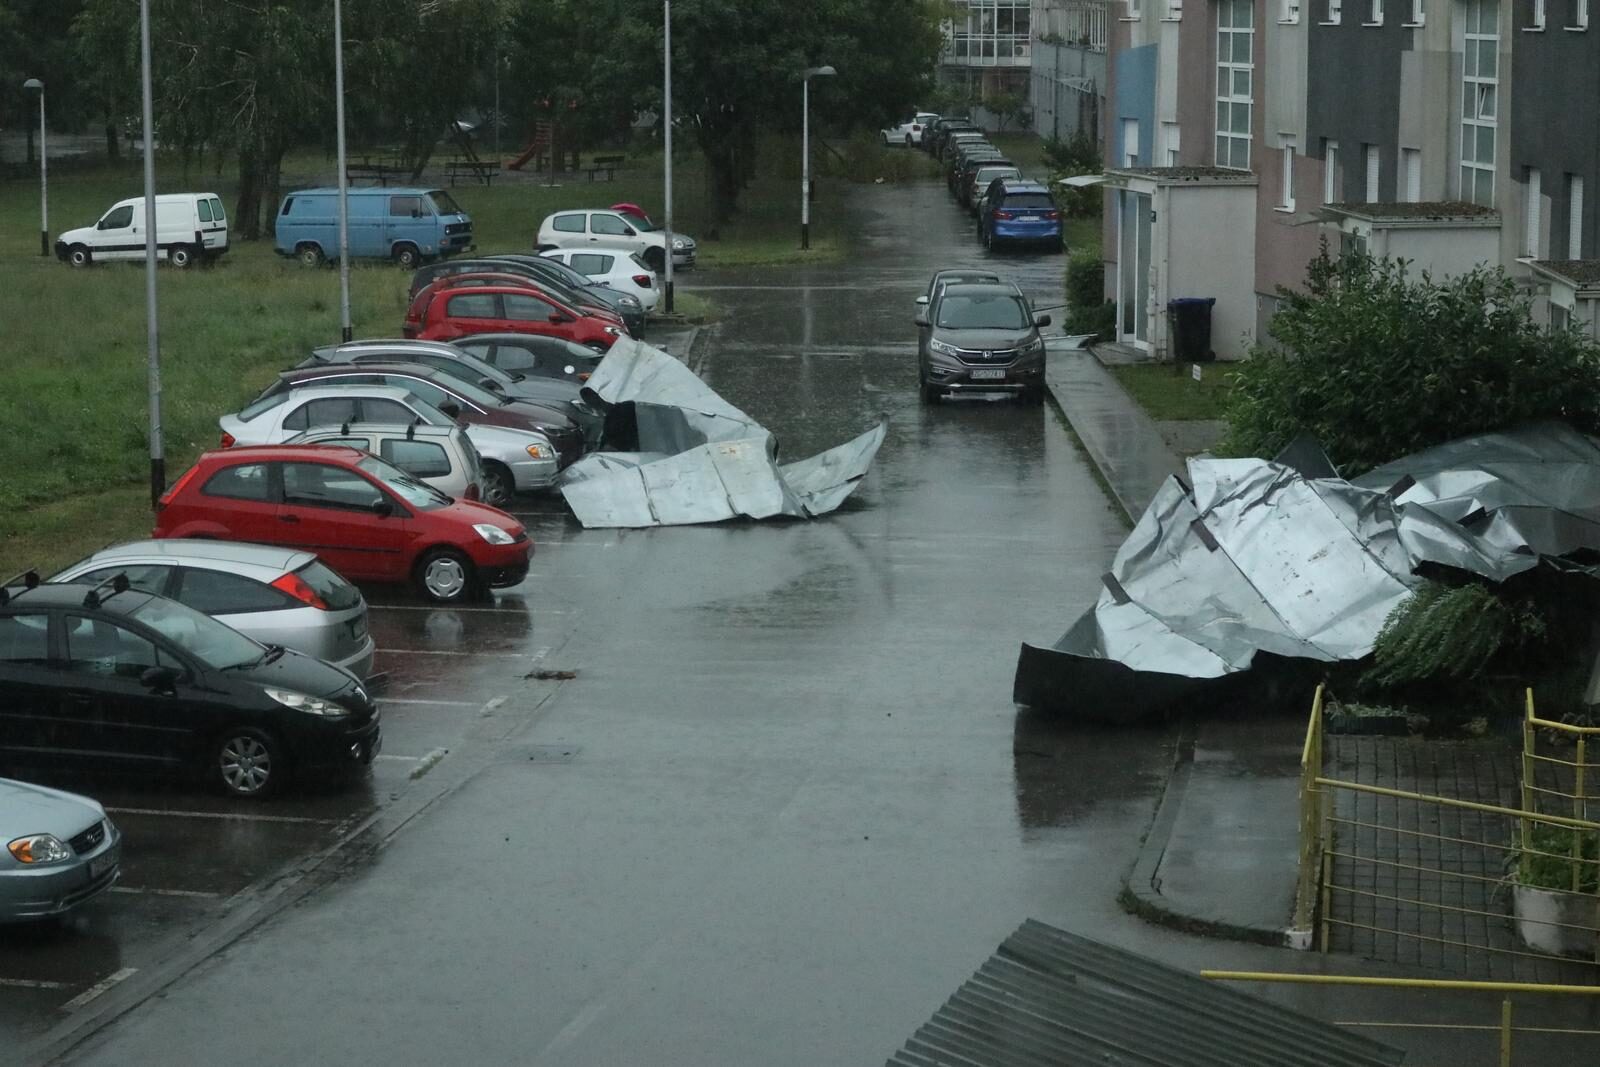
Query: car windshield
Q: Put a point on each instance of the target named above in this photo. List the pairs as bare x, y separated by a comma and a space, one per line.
213, 643
982, 311
444, 203
417, 494
643, 224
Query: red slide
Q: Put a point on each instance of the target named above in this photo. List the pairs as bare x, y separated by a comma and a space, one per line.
525, 155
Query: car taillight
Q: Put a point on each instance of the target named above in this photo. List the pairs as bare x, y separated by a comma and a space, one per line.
583, 377
642, 280
296, 587
915, 128
228, 440
1052, 214
166, 498
1004, 215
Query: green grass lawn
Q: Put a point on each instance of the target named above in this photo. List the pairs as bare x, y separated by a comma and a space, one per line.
1165, 395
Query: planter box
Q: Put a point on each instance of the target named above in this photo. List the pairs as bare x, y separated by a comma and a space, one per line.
1536, 910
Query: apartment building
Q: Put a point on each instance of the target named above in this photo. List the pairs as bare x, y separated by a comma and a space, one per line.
1243, 133
988, 45
1067, 73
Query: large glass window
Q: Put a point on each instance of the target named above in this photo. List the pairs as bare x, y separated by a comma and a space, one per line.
95, 646
990, 32
322, 485
1480, 86
247, 481
1235, 82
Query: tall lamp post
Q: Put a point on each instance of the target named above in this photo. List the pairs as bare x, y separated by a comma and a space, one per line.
346, 333
666, 127
35, 85
805, 149
152, 334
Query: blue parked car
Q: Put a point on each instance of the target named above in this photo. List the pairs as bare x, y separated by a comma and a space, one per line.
407, 226
1017, 209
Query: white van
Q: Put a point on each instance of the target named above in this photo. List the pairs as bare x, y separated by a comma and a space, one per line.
189, 227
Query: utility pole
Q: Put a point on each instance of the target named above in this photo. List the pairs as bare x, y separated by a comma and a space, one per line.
666, 117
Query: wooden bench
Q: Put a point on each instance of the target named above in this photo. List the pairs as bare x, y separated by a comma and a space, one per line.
376, 172
477, 171
609, 164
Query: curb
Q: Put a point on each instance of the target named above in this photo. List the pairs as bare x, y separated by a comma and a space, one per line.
1141, 885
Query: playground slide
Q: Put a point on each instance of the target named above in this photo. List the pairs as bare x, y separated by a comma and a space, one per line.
525, 155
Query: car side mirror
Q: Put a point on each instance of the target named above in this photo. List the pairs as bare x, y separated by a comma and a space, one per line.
922, 299
919, 319
451, 409
1041, 320
491, 385
383, 507
630, 231
160, 679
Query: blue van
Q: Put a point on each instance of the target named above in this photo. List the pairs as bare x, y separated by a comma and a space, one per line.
1015, 210
403, 225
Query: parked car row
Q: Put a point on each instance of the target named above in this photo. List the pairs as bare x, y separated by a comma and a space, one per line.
1008, 208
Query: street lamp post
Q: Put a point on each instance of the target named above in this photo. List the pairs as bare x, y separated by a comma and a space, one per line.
37, 86
346, 333
805, 149
666, 116
152, 334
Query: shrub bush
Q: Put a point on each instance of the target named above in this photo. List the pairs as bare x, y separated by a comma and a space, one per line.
1088, 311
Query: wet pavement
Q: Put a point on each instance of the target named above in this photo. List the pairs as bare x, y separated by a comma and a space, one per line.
781, 810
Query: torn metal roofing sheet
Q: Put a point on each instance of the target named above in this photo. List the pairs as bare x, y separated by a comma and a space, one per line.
694, 457
1280, 558
1051, 997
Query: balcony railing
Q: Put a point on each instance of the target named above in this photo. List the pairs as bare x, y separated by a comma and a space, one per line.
1077, 24
986, 50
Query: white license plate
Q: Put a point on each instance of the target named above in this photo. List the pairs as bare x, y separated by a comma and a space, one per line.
989, 374
1028, 218
101, 864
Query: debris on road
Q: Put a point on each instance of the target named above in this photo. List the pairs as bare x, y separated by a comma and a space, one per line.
1285, 558
545, 675
685, 455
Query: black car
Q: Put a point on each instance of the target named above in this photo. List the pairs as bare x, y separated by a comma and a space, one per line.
116, 678
533, 354
980, 337
933, 141
562, 281
966, 179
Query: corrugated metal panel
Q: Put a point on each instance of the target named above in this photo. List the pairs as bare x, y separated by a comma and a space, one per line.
1048, 998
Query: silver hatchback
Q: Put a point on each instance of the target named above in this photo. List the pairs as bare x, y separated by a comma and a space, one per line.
279, 596
60, 850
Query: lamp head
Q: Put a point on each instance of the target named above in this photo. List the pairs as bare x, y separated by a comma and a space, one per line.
34, 84
818, 72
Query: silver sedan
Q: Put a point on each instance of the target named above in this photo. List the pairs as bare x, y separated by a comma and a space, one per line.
279, 596
60, 850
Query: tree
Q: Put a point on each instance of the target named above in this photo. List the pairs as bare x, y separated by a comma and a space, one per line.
1376, 364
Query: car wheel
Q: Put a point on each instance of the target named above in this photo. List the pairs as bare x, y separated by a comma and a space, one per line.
1033, 394
246, 763
406, 257
497, 486
310, 255
445, 576
908, 140
655, 259
79, 256
181, 256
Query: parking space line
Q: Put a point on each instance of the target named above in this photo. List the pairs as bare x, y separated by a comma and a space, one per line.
99, 987
400, 759
441, 703
31, 983
242, 816
449, 652
198, 894
485, 611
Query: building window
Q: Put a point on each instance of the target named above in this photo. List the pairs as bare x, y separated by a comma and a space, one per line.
1169, 144
1335, 9
1532, 216
1174, 10
1538, 15
1289, 11
1371, 160
1574, 216
1375, 13
990, 33
1330, 172
1411, 172
1235, 81
1418, 15
1130, 142
1286, 200
1480, 68
1135, 10
1560, 317
1580, 14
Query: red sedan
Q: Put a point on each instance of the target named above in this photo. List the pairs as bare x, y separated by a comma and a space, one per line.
366, 518
419, 303
457, 312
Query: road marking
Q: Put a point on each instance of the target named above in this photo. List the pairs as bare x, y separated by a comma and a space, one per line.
441, 703
495, 703
401, 759
228, 815
198, 894
485, 611
99, 987
448, 652
31, 983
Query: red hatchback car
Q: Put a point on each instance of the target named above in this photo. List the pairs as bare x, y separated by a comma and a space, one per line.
364, 517
419, 303
457, 312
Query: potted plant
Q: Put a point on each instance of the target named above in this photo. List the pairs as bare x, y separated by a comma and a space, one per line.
1556, 912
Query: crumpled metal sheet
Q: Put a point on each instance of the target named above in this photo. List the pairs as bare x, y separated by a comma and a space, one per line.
1268, 558
697, 458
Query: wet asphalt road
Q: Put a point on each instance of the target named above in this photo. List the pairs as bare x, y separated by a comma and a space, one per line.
784, 808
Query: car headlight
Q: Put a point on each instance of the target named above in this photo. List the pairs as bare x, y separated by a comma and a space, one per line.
679, 242
39, 848
311, 705
936, 345
493, 534
540, 452
613, 331
630, 302
1035, 345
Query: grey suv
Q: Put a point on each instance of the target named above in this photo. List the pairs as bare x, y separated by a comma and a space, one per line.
980, 337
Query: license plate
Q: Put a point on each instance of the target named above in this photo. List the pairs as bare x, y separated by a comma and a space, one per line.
358, 627
989, 374
1028, 218
101, 864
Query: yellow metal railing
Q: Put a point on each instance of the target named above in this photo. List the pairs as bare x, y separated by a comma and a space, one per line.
1538, 798
1312, 842
1504, 1028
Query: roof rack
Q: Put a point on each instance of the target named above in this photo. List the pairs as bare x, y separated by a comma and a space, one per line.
28, 578
118, 583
